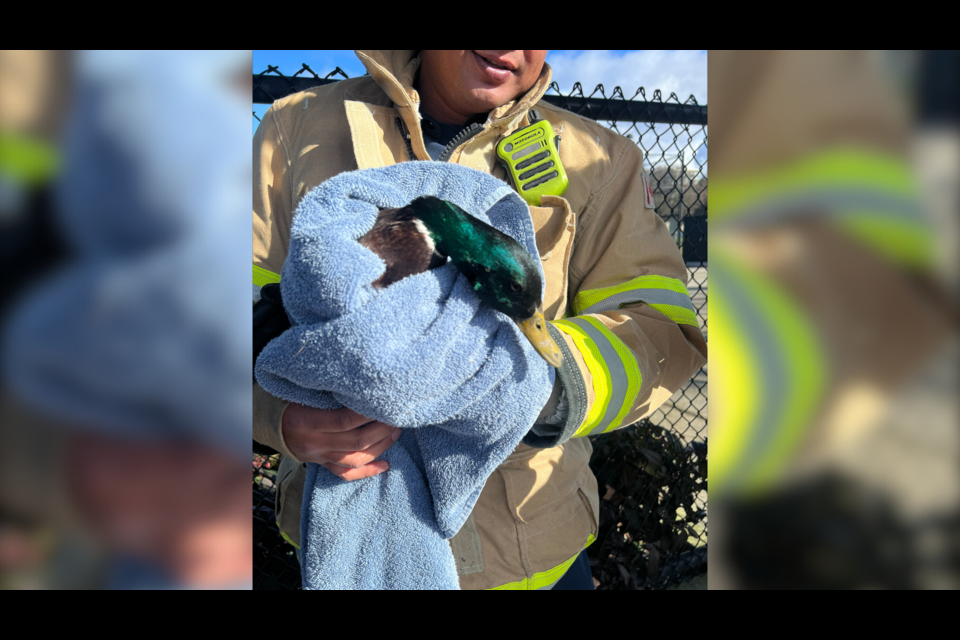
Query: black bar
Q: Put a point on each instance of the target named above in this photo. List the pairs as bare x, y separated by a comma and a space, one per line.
266, 89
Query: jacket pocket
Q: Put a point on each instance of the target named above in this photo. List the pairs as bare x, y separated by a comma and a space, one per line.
592, 506
554, 224
552, 496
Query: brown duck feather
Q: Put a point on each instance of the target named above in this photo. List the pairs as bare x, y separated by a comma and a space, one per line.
401, 240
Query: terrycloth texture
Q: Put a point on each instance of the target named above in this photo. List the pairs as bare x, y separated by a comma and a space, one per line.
423, 354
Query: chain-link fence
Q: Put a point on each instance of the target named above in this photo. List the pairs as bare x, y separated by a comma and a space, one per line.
652, 475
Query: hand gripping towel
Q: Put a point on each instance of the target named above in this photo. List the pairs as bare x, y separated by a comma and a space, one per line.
424, 354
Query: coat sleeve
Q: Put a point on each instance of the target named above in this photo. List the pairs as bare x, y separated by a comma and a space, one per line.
272, 214
630, 337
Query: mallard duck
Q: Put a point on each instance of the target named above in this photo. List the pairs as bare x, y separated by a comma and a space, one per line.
421, 236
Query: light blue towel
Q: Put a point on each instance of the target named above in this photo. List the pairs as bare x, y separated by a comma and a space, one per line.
423, 354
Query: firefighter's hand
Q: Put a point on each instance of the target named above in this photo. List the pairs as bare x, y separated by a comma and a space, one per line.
341, 440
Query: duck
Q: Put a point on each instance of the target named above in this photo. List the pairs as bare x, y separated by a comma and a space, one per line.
503, 274
424, 235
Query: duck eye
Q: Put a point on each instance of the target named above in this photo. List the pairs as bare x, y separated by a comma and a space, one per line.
515, 286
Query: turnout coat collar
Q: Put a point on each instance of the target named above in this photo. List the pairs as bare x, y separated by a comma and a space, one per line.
394, 71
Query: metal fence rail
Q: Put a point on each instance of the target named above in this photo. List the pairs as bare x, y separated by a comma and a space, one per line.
652, 475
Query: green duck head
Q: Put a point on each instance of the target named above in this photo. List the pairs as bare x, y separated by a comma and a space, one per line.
503, 274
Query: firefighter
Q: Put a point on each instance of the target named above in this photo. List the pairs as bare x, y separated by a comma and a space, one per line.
615, 292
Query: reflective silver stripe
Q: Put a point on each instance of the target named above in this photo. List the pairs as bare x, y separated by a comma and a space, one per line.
833, 202
614, 366
650, 296
774, 370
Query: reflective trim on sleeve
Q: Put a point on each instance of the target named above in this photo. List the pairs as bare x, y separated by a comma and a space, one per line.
669, 296
543, 579
770, 367
870, 195
903, 241
614, 369
841, 172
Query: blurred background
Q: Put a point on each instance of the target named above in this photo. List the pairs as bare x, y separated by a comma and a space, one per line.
833, 309
124, 319
653, 529
124, 326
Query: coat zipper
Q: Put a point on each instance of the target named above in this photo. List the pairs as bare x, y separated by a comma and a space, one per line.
406, 137
457, 140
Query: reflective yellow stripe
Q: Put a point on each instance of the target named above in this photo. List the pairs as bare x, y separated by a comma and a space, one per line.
902, 241
287, 538
616, 374
601, 377
27, 160
677, 314
632, 370
770, 381
871, 196
261, 276
669, 296
544, 578
841, 169
591, 297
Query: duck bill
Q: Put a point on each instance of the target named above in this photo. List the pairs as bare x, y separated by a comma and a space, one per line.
535, 328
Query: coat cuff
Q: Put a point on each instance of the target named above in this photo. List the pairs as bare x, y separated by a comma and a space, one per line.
268, 421
575, 389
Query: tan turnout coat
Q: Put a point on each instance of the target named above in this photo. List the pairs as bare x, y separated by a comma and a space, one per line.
539, 509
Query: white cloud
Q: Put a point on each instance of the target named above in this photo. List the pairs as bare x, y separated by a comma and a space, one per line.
681, 72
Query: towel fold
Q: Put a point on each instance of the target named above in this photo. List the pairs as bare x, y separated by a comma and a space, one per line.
423, 354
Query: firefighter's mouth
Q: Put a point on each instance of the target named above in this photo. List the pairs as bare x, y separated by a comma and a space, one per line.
494, 63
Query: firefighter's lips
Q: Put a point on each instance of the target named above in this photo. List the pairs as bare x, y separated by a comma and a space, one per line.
495, 71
